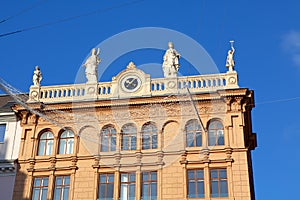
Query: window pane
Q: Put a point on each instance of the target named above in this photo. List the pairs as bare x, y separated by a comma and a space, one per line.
2, 132
133, 143
214, 189
200, 189
220, 137
124, 177
57, 194
37, 182
102, 178
66, 194
102, 191
153, 190
211, 138
145, 190
132, 177
62, 146
191, 174
44, 194
110, 178
223, 189
223, 173
45, 181
200, 174
49, 147
125, 142
198, 139
124, 191
41, 147
132, 190
192, 190
67, 180
70, 146
214, 173
110, 190
153, 176
113, 143
190, 139
154, 141
58, 180
35, 195
145, 176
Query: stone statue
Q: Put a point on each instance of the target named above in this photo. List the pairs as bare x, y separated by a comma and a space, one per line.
91, 64
229, 60
171, 62
37, 76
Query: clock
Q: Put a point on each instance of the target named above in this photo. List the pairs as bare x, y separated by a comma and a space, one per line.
131, 83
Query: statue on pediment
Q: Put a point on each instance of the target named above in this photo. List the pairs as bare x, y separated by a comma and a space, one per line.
230, 60
91, 66
37, 76
171, 62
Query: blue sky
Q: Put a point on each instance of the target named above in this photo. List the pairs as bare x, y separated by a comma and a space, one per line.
267, 42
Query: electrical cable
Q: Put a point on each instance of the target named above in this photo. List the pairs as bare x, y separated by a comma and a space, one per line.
23, 11
70, 18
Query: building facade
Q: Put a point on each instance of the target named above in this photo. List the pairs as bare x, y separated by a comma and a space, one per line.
138, 138
10, 134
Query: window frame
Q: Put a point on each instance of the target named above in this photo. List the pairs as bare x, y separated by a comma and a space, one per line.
67, 139
195, 132
106, 183
40, 187
46, 143
196, 181
4, 133
153, 132
219, 179
149, 181
213, 133
127, 185
62, 187
109, 147
132, 137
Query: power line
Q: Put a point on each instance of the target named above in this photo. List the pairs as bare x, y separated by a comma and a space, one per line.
71, 18
23, 11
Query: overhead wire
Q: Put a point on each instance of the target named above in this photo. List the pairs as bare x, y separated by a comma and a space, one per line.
71, 18
23, 11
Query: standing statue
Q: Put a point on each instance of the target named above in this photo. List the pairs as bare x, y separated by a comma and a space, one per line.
229, 60
171, 62
37, 76
91, 64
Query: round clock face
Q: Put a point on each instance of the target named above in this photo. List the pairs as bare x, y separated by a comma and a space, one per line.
131, 83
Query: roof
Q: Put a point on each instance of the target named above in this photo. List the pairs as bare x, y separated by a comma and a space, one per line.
6, 102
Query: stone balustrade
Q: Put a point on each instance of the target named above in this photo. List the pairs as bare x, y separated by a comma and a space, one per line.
158, 87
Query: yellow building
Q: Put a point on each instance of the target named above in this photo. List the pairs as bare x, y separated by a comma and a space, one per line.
140, 138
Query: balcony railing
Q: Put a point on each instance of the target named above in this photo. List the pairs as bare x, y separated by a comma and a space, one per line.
158, 87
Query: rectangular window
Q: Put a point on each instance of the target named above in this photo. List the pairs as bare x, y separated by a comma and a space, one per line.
2, 132
40, 188
62, 188
195, 183
106, 187
149, 185
127, 186
218, 181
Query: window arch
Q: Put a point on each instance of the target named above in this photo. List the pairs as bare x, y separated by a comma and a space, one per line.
149, 136
215, 133
108, 137
193, 134
66, 142
128, 134
45, 144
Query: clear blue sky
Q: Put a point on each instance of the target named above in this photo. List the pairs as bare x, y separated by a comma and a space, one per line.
267, 35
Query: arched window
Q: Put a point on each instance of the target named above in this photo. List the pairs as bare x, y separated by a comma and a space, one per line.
128, 134
193, 134
108, 137
149, 136
66, 142
215, 133
45, 144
